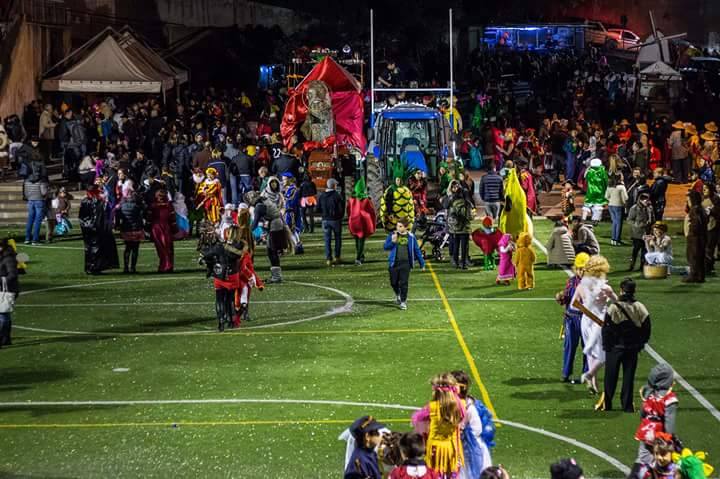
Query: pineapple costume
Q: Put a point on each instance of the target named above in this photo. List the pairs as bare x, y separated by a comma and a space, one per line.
397, 201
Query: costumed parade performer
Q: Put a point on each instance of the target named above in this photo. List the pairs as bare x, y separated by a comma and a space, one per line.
222, 260
100, 248
267, 210
506, 268
441, 420
247, 278
478, 435
397, 201
571, 329
366, 435
209, 196
591, 297
597, 182
361, 218
525, 262
487, 238
161, 218
293, 218
513, 219
657, 415
418, 186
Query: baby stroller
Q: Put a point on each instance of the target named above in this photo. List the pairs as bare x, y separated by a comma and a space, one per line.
436, 233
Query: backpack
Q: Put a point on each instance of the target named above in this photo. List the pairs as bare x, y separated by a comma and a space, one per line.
217, 262
77, 133
34, 171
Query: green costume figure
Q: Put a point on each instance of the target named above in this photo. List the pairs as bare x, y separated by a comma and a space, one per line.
513, 219
444, 177
597, 181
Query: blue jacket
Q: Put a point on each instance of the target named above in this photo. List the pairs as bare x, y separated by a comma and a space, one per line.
414, 252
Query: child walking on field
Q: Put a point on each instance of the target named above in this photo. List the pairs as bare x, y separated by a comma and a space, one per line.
404, 252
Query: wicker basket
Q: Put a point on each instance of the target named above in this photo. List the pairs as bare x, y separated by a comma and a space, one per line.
655, 271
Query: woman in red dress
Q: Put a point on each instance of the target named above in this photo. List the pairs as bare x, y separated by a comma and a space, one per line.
162, 225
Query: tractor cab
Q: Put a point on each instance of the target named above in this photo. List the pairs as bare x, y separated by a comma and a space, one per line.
412, 134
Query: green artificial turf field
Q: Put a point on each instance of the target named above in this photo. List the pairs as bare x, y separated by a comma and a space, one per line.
125, 376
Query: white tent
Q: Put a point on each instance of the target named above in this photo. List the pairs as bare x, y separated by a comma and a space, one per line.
115, 63
661, 70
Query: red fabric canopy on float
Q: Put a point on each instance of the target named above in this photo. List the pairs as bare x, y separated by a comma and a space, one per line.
347, 104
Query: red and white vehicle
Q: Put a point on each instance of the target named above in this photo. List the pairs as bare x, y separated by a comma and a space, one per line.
611, 38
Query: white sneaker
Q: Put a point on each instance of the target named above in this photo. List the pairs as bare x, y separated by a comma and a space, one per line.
403, 305
397, 299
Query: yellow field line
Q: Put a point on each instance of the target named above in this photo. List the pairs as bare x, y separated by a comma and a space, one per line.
275, 333
270, 422
461, 341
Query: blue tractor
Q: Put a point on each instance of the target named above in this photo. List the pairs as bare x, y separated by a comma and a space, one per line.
414, 135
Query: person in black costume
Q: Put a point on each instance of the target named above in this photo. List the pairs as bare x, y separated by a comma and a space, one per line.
100, 248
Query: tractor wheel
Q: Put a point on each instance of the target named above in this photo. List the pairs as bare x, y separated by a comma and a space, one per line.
374, 181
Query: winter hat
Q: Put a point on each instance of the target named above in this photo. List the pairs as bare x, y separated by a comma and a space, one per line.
661, 377
595, 162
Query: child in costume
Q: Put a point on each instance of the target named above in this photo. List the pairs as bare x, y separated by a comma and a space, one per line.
361, 219
525, 262
397, 201
567, 202
412, 451
597, 182
487, 238
209, 196
662, 466
478, 435
571, 330
593, 294
228, 219
506, 268
404, 251
293, 218
247, 278
442, 418
418, 186
181, 215
62, 213
363, 463
657, 415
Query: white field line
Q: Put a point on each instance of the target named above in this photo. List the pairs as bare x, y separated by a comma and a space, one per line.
29, 404
280, 301
344, 308
656, 356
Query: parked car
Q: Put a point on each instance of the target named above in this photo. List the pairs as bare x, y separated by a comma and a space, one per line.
611, 38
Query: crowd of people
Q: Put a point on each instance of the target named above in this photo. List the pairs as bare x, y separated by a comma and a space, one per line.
214, 166
454, 433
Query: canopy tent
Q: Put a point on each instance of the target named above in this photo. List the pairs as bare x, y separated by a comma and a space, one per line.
661, 70
114, 62
347, 104
134, 43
